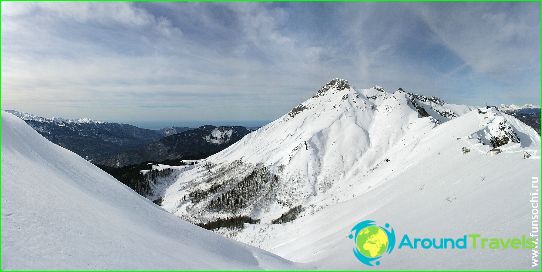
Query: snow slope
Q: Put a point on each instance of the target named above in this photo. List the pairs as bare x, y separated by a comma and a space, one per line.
61, 212
427, 189
426, 167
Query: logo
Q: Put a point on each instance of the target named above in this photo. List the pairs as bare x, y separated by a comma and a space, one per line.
371, 242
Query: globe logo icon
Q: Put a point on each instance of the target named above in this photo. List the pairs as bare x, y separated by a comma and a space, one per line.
372, 241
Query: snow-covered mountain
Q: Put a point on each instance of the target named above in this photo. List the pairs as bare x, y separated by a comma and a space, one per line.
61, 212
345, 155
336, 134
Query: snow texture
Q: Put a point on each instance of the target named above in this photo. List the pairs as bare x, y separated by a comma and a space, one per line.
61, 212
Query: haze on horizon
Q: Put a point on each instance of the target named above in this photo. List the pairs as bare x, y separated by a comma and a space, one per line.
180, 62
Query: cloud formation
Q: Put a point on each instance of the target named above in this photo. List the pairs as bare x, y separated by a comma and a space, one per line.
254, 61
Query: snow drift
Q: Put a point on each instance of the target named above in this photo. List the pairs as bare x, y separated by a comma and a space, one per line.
61, 212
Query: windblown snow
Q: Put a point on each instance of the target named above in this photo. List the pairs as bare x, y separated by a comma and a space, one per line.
422, 165
61, 212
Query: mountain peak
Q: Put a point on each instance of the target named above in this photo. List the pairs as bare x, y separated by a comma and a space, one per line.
337, 83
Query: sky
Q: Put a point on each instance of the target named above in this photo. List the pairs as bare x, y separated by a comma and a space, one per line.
150, 63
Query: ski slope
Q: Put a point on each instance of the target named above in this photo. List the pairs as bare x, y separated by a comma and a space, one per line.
61, 212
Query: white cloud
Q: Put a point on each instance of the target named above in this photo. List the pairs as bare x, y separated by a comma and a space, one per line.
193, 61
106, 14
492, 41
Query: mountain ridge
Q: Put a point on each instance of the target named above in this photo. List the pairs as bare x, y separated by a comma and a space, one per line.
92, 140
334, 119
197, 143
342, 145
117, 145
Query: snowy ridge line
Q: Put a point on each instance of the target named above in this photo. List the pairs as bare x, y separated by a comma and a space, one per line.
31, 117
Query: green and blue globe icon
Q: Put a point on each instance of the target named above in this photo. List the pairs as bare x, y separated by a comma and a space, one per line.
371, 242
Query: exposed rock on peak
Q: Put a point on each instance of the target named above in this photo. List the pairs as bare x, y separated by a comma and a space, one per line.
379, 88
496, 130
426, 99
336, 83
431, 106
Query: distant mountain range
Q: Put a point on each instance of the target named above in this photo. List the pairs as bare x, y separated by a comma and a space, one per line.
115, 145
528, 114
192, 144
92, 140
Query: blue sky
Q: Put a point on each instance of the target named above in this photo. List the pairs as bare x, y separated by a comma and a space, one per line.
180, 62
